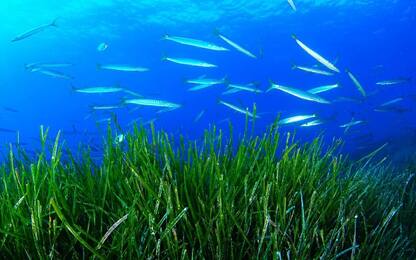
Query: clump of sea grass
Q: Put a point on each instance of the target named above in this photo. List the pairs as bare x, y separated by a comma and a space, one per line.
259, 197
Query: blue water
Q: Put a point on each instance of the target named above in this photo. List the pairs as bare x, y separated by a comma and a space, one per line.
375, 40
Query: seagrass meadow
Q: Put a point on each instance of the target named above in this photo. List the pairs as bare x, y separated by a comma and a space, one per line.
155, 197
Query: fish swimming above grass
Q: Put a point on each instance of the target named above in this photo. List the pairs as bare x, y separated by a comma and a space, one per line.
392, 82
356, 83
316, 55
321, 89
391, 102
312, 123
152, 103
98, 90
295, 119
195, 43
292, 5
236, 46
240, 110
52, 73
35, 31
299, 94
190, 62
108, 107
351, 124
125, 68
199, 116
313, 70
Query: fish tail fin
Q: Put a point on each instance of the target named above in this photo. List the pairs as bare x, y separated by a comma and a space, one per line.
164, 57
271, 86
54, 23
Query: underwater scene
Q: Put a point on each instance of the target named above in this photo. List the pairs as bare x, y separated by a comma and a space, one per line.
181, 129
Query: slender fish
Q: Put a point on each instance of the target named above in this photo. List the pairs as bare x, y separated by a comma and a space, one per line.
190, 62
98, 90
125, 68
152, 103
206, 81
52, 73
194, 43
323, 89
240, 110
356, 83
237, 47
300, 94
316, 55
392, 82
313, 70
292, 5
312, 123
34, 31
295, 119
391, 102
38, 65
200, 87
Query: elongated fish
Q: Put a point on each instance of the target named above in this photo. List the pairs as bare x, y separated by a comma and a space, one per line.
33, 66
98, 90
392, 82
316, 55
356, 83
240, 110
391, 102
195, 43
313, 70
34, 31
323, 89
249, 87
108, 107
199, 116
295, 119
125, 68
231, 91
237, 47
312, 123
152, 103
206, 81
200, 87
190, 62
352, 123
53, 73
300, 94
292, 5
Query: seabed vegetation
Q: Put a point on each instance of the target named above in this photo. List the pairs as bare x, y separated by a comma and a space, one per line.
155, 197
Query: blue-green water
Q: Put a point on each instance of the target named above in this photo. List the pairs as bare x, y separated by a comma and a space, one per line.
375, 40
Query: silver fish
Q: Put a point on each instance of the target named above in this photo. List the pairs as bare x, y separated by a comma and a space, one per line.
98, 90
392, 82
391, 102
240, 110
237, 47
200, 87
198, 117
190, 62
248, 87
356, 83
102, 47
292, 5
312, 123
295, 119
194, 43
33, 66
125, 68
313, 70
152, 103
316, 55
52, 73
206, 81
300, 94
321, 89
34, 31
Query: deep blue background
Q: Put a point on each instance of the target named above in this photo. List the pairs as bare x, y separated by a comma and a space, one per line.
375, 40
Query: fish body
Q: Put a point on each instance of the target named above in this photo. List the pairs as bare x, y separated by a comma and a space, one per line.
352, 123
195, 43
98, 90
198, 117
313, 70
248, 88
34, 31
323, 89
312, 123
110, 107
237, 47
292, 5
231, 91
200, 87
316, 55
240, 110
152, 103
102, 47
38, 65
357, 83
190, 62
391, 102
125, 68
300, 94
392, 82
295, 119
52, 73
206, 81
